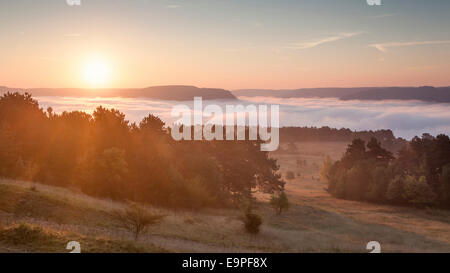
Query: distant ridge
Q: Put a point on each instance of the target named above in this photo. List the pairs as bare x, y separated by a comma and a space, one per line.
185, 92
168, 92
423, 93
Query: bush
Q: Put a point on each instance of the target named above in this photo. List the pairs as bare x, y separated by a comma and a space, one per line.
417, 191
290, 175
279, 202
252, 222
395, 190
136, 219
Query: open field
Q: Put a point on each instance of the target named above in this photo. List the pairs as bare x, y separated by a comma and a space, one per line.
315, 222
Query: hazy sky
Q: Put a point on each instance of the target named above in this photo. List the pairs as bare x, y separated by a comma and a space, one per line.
224, 43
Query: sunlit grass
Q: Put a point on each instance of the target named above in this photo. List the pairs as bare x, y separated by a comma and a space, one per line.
315, 222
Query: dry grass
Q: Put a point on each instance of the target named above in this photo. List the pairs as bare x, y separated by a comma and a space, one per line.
398, 229
315, 221
24, 237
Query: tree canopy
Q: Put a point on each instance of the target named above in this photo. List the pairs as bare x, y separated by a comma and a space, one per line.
105, 155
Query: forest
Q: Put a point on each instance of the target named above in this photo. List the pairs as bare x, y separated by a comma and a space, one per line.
418, 176
105, 155
327, 134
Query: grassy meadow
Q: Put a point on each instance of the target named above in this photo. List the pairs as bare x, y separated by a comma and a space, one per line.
41, 218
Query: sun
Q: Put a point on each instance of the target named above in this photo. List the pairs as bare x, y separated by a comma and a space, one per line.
96, 73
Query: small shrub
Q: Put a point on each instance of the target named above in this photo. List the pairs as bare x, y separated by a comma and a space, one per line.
279, 202
252, 222
290, 175
136, 219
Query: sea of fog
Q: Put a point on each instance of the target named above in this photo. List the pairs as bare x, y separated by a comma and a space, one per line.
405, 118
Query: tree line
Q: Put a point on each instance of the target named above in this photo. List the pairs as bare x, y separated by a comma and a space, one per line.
314, 134
103, 154
418, 176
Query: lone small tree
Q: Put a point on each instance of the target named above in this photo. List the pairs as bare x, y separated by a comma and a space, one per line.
136, 218
279, 202
252, 222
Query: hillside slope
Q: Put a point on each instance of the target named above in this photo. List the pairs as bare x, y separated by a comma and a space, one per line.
40, 218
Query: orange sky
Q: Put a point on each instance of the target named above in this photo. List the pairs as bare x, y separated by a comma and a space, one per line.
230, 45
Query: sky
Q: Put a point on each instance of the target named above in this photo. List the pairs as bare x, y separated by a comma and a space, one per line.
231, 44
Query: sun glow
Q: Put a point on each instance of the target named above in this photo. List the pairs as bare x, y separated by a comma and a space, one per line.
96, 73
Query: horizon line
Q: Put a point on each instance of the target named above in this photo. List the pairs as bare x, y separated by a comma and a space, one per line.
231, 90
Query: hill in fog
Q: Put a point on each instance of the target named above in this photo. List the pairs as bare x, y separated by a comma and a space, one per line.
424, 93
169, 92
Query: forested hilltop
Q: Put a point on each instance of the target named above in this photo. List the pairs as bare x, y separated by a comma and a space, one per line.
314, 134
104, 155
423, 93
167, 92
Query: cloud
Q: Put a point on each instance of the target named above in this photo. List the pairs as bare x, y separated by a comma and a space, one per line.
314, 43
383, 47
406, 118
